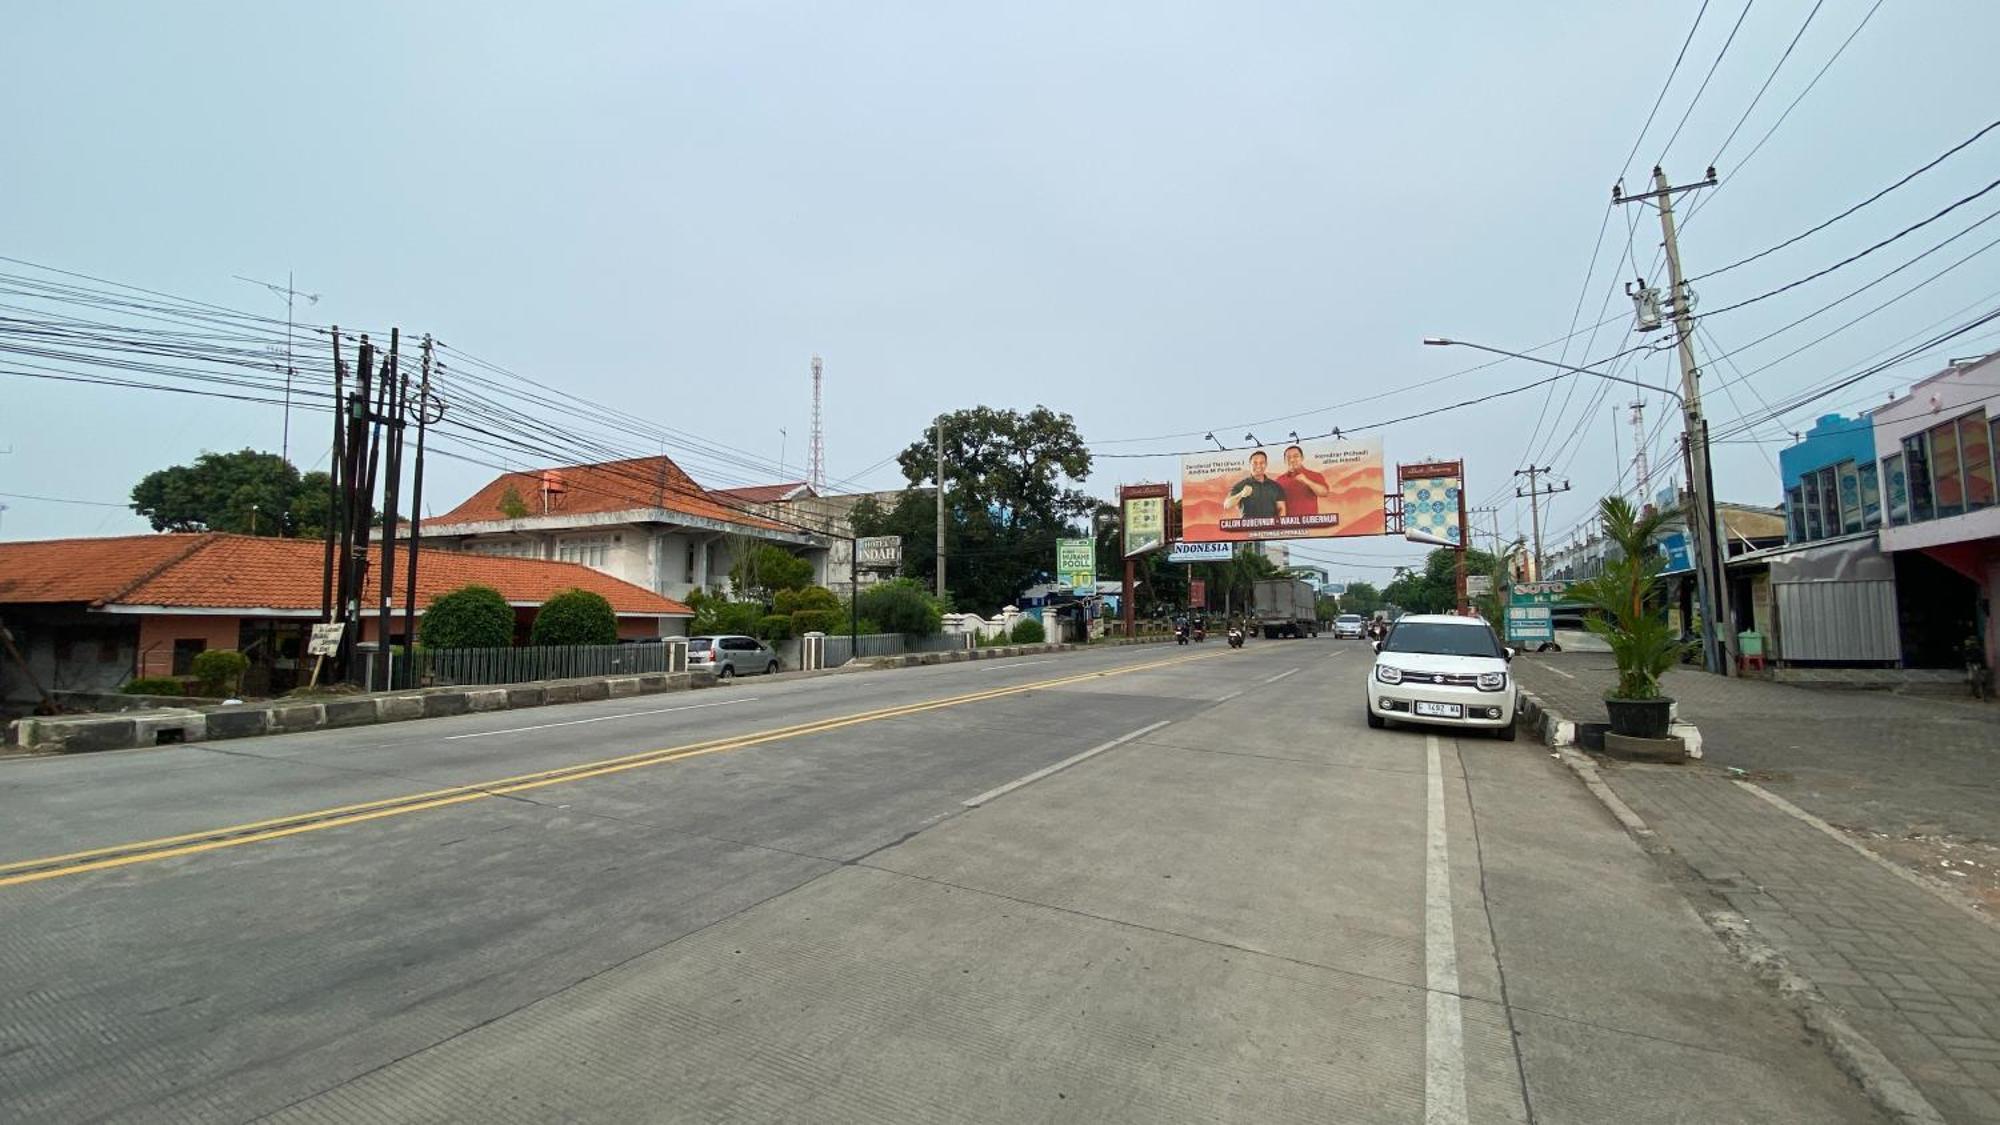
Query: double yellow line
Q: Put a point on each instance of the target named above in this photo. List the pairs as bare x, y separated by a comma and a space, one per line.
255, 832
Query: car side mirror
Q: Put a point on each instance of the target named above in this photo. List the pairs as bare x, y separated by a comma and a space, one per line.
1510, 651
1376, 645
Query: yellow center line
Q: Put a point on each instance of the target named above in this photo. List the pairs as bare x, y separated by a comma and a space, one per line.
237, 835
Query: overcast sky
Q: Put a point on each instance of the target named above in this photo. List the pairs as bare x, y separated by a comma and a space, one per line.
1158, 218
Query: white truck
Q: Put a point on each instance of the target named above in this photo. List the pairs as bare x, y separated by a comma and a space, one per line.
1285, 607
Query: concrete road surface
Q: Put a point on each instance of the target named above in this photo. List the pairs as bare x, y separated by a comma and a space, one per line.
1152, 884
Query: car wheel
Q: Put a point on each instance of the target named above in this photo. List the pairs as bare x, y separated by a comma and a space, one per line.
725, 672
771, 669
1375, 722
1506, 733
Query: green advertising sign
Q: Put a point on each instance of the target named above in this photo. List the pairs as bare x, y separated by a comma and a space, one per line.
1076, 563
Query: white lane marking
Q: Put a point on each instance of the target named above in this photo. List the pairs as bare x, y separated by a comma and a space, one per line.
603, 718
1559, 671
1066, 763
1444, 1032
1281, 675
1230, 696
998, 665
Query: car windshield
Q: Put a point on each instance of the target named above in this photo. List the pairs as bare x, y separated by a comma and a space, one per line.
1348, 619
699, 644
1438, 639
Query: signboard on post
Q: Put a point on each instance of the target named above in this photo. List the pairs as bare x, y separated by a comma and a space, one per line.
1076, 563
1182, 551
879, 552
1430, 502
1145, 517
1529, 619
1318, 487
325, 640
1197, 593
1478, 585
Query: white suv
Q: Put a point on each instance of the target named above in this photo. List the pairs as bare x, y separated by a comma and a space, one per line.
1442, 669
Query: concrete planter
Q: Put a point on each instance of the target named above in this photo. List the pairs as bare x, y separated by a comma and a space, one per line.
1640, 718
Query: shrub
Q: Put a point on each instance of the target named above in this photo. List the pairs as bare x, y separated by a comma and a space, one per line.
714, 615
152, 685
902, 605
575, 617
1027, 631
468, 617
774, 627
219, 671
832, 620
797, 601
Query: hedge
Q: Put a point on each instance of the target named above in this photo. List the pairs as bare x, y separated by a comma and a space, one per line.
152, 685
575, 617
792, 602
774, 627
819, 621
1028, 631
468, 617
219, 671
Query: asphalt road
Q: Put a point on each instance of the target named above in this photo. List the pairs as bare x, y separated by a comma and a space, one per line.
868, 897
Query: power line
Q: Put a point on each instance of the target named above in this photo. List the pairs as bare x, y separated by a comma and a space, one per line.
1699, 90
1779, 65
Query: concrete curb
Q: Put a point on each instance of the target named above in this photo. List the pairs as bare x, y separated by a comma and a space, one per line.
1853, 1052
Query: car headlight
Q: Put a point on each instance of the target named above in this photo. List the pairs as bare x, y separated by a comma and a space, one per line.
1388, 675
1492, 681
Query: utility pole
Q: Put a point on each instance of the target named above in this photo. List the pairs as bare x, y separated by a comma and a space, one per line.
1493, 511
395, 387
1534, 493
940, 507
424, 405
1718, 634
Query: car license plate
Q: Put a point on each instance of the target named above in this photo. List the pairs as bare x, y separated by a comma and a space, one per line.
1440, 710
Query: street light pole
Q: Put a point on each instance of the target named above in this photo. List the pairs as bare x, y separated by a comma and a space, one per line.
1701, 521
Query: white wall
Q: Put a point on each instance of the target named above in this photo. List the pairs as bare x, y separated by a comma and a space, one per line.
1944, 396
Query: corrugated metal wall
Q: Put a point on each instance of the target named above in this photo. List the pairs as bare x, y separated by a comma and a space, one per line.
1838, 621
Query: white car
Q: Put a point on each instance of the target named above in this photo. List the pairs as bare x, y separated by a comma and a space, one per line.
1348, 625
1442, 669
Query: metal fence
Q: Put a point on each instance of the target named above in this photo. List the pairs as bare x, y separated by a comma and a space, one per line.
839, 650
454, 667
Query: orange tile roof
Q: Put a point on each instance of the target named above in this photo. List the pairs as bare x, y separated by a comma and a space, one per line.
613, 486
85, 570
220, 571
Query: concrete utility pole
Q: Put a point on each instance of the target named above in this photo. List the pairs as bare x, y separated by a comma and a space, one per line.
940, 507
1534, 493
1718, 634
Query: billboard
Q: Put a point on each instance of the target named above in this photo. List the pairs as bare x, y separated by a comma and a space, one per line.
1316, 488
1431, 501
880, 552
1145, 516
1197, 594
1076, 563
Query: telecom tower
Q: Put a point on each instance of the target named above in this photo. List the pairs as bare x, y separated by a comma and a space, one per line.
1639, 469
816, 449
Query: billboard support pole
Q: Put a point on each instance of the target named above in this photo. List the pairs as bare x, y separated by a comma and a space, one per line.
1464, 540
1125, 603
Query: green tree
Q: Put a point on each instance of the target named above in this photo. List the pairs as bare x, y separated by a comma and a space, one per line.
902, 605
762, 570
1362, 598
511, 505
246, 492
1435, 588
1009, 489
575, 617
468, 617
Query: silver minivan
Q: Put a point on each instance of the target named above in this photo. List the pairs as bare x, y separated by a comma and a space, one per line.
731, 655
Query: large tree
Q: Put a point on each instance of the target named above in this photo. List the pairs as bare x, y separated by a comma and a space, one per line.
1009, 495
1435, 588
246, 491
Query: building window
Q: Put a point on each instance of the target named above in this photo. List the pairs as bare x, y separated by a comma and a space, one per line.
506, 548
1871, 497
1917, 473
594, 551
185, 650
1829, 501
1795, 514
1850, 497
1813, 522
1947, 485
1897, 488
1975, 449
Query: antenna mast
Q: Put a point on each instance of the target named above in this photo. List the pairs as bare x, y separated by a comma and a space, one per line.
1639, 468
816, 449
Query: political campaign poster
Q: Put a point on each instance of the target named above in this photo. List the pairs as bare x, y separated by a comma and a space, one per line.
1431, 502
1310, 489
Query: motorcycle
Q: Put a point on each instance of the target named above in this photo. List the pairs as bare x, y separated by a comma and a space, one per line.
1200, 633
1236, 638
1181, 635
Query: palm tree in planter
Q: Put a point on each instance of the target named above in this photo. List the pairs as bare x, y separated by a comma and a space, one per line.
1631, 622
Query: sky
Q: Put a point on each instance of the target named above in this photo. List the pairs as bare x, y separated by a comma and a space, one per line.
1161, 219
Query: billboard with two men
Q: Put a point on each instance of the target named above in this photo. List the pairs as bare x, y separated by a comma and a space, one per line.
1310, 489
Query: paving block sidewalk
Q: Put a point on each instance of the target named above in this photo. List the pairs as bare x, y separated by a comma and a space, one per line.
1914, 972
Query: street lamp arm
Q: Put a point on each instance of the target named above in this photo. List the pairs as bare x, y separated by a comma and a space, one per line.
1442, 342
